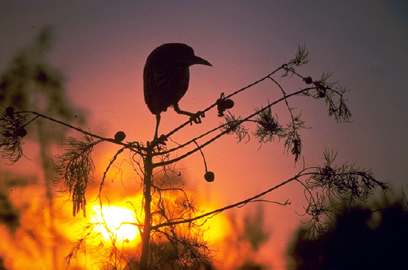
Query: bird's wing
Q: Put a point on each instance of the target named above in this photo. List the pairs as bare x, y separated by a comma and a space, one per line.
164, 87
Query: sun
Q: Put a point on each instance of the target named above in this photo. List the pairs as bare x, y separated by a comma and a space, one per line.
115, 217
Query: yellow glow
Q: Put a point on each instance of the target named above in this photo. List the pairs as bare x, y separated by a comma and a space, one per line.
219, 227
115, 217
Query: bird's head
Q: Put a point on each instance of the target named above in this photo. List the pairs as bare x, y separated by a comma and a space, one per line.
182, 54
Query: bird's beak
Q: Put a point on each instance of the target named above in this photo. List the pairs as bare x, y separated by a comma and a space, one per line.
200, 61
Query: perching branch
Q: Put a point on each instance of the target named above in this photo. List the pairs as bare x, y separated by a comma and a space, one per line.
226, 129
268, 125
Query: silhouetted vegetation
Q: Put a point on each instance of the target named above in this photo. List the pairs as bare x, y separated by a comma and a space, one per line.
31, 83
251, 266
170, 221
357, 238
2, 265
8, 214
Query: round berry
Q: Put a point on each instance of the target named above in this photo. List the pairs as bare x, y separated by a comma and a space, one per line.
228, 103
22, 132
209, 176
308, 80
10, 111
120, 136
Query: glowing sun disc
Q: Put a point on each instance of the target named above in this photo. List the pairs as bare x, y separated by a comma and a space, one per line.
114, 217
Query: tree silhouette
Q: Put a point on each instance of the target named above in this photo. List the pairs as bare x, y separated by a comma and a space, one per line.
8, 214
31, 83
249, 234
358, 238
170, 220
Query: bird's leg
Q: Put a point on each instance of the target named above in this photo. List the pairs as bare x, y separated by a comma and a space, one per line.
194, 117
157, 126
156, 139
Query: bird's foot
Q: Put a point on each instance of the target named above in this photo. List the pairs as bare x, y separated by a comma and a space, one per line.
196, 117
157, 141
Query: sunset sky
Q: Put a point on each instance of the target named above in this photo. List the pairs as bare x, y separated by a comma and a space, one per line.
101, 47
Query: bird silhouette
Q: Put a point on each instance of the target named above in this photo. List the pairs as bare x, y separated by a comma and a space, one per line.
166, 77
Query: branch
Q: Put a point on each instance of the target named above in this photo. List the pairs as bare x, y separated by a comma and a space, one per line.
238, 204
132, 146
230, 95
226, 131
103, 182
327, 187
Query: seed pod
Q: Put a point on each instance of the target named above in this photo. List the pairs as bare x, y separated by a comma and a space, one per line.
223, 104
22, 132
308, 80
228, 103
209, 176
10, 111
120, 136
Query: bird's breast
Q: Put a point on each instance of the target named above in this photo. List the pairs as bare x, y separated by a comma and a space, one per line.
165, 87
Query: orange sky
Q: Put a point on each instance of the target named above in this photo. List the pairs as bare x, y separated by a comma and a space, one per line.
101, 47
